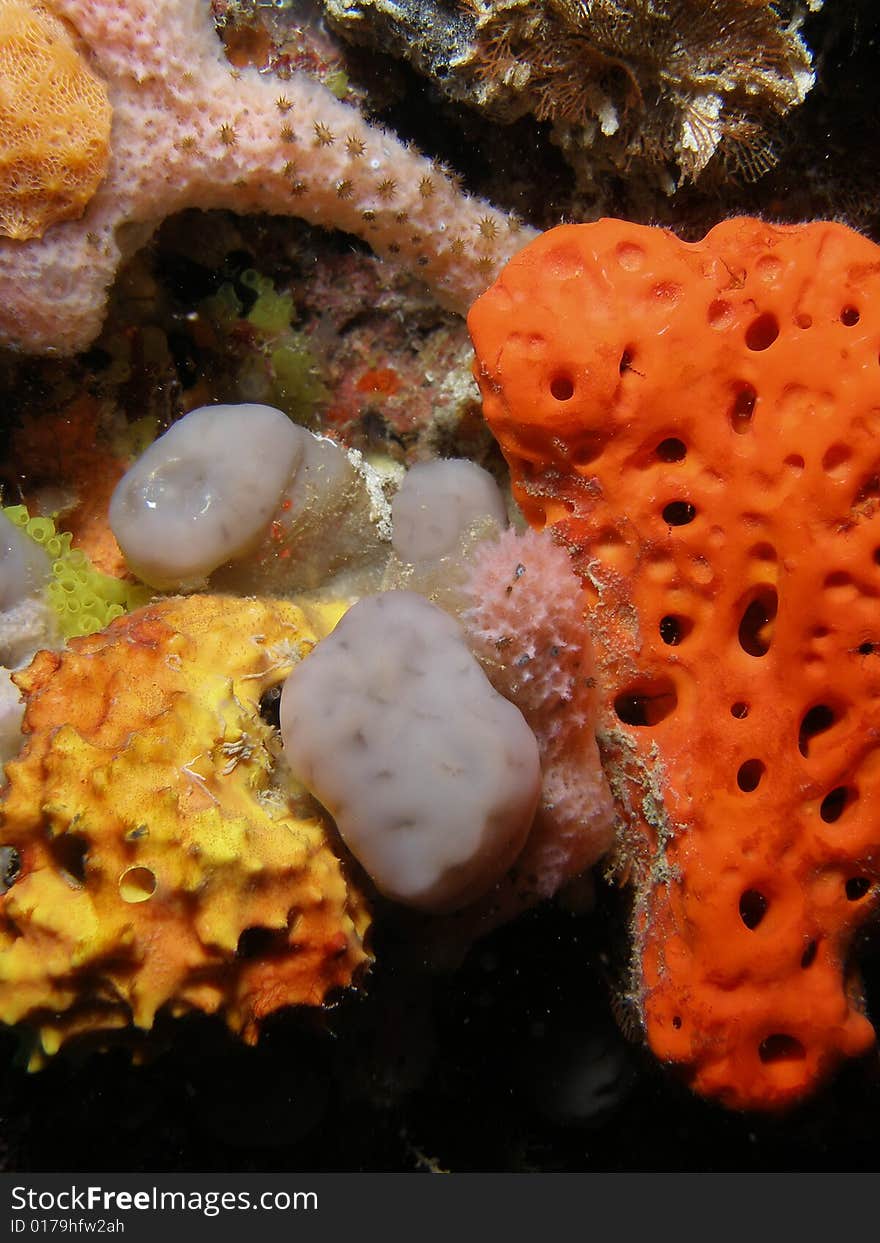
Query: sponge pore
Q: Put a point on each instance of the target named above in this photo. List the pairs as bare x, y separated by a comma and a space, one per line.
432, 776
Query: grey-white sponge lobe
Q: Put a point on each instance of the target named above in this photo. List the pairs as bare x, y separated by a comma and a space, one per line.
204, 492
437, 502
432, 777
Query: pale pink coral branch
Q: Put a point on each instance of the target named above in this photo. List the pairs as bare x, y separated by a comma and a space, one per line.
191, 131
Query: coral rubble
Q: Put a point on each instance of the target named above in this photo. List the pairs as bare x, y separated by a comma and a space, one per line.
153, 863
697, 424
661, 87
190, 130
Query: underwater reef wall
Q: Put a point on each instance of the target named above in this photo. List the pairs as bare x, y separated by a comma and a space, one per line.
653, 88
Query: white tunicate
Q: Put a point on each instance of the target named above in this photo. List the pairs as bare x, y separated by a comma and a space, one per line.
432, 777
437, 503
27, 626
11, 713
327, 528
203, 493
24, 566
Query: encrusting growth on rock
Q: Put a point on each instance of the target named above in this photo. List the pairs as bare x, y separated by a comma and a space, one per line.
658, 85
698, 425
188, 130
152, 863
54, 122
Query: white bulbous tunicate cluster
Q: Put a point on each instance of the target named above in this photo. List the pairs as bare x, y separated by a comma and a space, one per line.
244, 496
204, 492
432, 777
24, 566
437, 503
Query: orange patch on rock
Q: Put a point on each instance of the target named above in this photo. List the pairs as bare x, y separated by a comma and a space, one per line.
63, 450
384, 380
700, 425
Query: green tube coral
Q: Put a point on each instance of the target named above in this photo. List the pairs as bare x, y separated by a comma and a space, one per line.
82, 598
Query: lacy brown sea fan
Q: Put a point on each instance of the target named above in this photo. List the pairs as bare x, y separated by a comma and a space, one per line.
699, 424
152, 862
54, 122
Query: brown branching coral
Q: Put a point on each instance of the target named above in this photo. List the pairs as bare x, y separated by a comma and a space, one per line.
668, 85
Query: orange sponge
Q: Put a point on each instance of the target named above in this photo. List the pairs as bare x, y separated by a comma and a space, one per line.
54, 122
700, 425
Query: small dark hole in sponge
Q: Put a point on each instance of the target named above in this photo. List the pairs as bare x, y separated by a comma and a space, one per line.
70, 851
809, 955
743, 408
671, 450
626, 360
679, 513
749, 775
752, 907
562, 387
646, 706
856, 888
833, 804
868, 490
676, 1022
270, 706
673, 629
762, 332
850, 316
815, 721
781, 1048
756, 626
740, 710
866, 649
260, 942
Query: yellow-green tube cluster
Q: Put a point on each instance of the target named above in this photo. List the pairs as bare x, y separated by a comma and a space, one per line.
83, 599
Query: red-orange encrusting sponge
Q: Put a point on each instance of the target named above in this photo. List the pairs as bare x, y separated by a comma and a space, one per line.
700, 424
